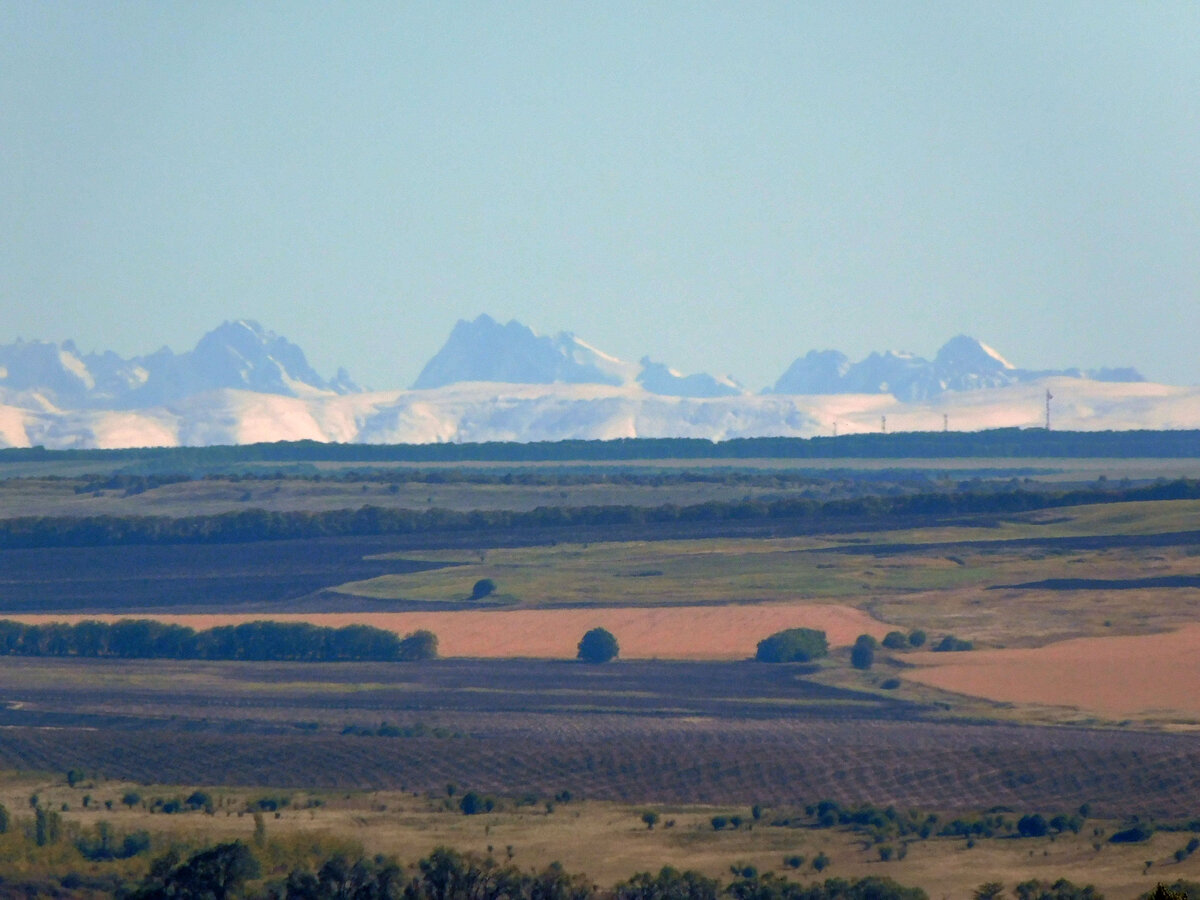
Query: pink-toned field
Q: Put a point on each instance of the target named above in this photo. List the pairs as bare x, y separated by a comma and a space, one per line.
680, 632
1117, 677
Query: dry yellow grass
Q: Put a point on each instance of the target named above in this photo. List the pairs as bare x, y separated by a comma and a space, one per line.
608, 841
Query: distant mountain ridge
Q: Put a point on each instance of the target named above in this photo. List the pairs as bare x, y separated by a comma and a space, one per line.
962, 364
485, 350
243, 383
239, 355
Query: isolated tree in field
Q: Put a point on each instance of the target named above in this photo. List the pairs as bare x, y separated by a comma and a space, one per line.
863, 654
895, 640
793, 645
651, 819
598, 646
482, 588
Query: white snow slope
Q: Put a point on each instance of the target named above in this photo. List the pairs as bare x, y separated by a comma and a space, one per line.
482, 411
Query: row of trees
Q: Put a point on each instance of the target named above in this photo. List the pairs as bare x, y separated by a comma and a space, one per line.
996, 442
260, 524
263, 640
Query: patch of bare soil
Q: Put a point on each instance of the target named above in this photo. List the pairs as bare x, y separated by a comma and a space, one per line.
1116, 677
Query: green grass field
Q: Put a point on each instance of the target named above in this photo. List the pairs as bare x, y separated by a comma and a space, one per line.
935, 579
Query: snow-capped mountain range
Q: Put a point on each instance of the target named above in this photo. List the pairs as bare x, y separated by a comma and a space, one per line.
243, 383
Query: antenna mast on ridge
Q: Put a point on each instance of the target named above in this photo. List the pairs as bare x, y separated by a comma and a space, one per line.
1049, 397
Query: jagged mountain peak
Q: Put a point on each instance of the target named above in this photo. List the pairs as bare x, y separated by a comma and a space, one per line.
239, 354
965, 351
485, 350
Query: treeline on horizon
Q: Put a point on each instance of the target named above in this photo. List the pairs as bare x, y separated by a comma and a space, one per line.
256, 524
997, 442
259, 641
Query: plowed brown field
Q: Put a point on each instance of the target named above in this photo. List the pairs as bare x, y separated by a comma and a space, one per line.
1117, 677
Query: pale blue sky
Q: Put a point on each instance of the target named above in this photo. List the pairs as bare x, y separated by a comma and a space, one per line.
724, 186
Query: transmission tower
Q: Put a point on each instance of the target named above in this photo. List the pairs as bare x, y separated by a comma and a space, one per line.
1049, 397
883, 424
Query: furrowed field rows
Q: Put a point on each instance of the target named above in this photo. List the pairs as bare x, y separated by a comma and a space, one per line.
269, 696
778, 763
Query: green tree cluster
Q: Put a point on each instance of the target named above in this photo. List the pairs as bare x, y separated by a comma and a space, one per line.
264, 640
793, 645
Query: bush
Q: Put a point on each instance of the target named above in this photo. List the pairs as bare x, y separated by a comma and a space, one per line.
472, 804
1032, 826
862, 656
482, 588
916, 638
598, 646
891, 684
793, 645
1132, 835
895, 640
417, 646
951, 644
198, 799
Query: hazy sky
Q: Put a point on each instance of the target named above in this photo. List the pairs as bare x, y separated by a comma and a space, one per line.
724, 186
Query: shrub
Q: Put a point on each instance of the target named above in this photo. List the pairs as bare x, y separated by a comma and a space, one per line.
793, 645
895, 640
1032, 826
862, 656
472, 804
1132, 835
719, 822
891, 684
418, 645
482, 588
198, 799
598, 646
916, 638
951, 644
